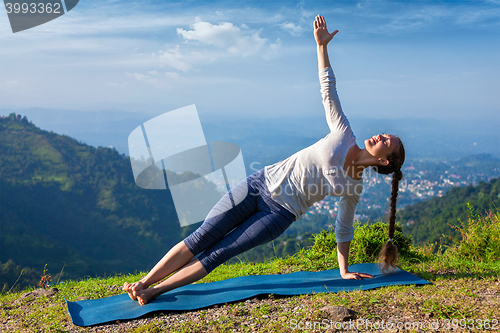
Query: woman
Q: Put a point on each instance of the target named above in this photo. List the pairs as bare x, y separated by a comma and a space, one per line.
263, 206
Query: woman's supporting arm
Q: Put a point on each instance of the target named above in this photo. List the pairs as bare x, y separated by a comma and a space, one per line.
344, 233
322, 38
343, 257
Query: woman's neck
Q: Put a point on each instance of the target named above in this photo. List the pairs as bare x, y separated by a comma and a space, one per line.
356, 160
353, 170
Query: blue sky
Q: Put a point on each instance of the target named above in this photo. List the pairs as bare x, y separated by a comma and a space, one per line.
392, 59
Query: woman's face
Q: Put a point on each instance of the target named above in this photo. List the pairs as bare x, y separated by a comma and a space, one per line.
381, 145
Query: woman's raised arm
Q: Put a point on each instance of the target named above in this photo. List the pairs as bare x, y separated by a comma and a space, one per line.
322, 37
337, 121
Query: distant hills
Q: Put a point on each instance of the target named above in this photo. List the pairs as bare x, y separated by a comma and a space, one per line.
63, 201
424, 138
428, 220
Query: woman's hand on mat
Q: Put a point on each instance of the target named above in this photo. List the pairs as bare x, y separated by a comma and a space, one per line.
356, 276
321, 34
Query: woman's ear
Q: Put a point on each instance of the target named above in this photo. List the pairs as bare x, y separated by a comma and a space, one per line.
383, 161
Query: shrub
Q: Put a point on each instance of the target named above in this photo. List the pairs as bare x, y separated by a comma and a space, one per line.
480, 238
323, 253
369, 239
365, 247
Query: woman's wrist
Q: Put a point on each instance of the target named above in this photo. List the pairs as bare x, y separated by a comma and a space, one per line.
323, 60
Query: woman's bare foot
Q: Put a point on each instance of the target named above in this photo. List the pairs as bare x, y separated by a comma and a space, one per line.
145, 295
130, 288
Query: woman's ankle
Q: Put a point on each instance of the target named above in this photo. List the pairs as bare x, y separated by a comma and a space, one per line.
145, 282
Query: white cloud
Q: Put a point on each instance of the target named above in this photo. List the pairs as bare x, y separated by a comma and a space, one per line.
172, 75
401, 18
276, 18
226, 36
138, 76
481, 16
419, 18
174, 58
291, 28
153, 72
142, 78
274, 49
12, 82
302, 17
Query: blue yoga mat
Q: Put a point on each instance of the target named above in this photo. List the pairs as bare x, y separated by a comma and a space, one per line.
197, 296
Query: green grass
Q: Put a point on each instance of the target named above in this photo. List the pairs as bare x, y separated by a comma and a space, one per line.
465, 286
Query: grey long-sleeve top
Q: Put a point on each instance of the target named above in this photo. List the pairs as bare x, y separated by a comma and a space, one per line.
311, 174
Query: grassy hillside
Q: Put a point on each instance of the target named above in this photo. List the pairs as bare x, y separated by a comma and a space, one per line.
463, 295
427, 221
66, 204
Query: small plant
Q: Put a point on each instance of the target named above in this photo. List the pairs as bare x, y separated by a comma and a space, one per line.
45, 278
16, 281
261, 310
480, 238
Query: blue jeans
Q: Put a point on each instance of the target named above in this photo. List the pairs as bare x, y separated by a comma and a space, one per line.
231, 229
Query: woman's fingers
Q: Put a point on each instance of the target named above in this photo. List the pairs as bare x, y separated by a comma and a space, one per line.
365, 275
358, 276
320, 20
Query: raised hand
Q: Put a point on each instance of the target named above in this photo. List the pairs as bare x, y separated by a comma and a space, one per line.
321, 34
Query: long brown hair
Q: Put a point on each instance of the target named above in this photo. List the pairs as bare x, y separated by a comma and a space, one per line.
388, 256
